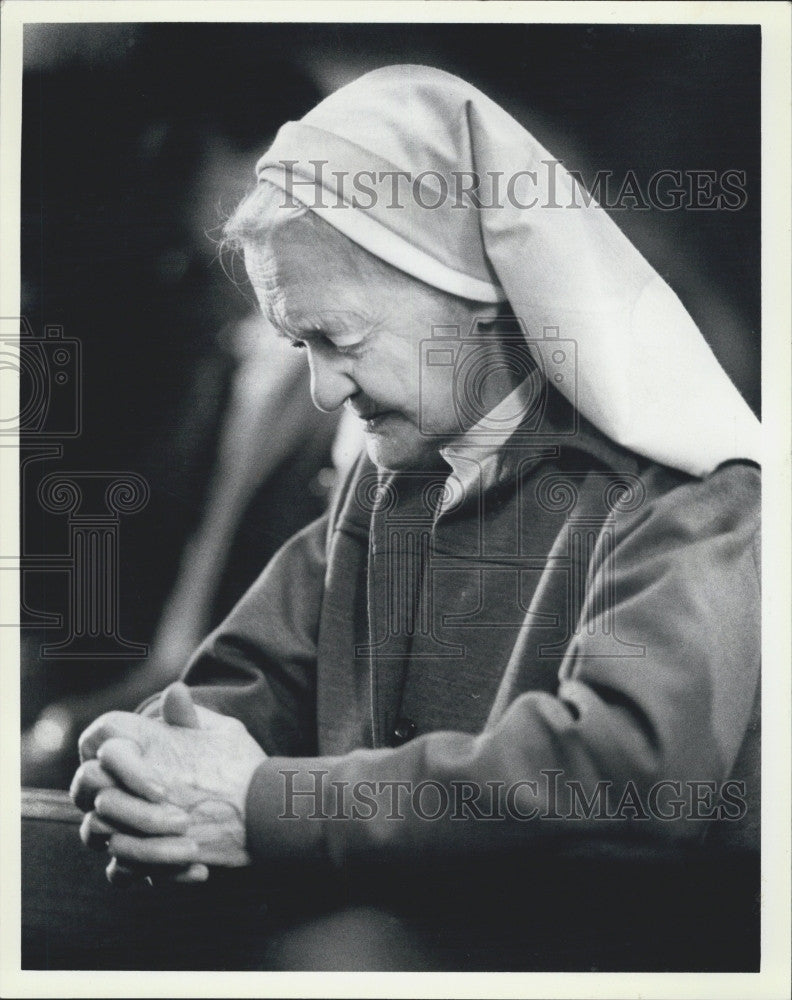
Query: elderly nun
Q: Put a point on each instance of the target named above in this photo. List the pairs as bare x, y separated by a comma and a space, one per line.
535, 599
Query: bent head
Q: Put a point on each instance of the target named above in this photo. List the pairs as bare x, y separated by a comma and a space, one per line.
361, 322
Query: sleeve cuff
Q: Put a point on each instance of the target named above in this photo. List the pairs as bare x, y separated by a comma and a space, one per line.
285, 814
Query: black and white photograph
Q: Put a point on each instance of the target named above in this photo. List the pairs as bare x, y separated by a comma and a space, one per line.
394, 471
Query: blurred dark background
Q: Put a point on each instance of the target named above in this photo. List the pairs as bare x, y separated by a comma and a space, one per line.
139, 139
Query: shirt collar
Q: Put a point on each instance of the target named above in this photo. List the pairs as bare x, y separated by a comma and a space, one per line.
475, 456
491, 451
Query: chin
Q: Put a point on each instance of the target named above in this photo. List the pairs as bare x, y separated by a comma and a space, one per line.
391, 454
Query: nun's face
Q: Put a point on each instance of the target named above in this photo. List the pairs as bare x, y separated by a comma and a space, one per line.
363, 334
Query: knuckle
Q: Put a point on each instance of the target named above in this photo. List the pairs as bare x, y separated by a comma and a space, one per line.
94, 833
98, 775
82, 773
106, 752
86, 743
76, 785
83, 787
122, 847
107, 801
94, 735
111, 745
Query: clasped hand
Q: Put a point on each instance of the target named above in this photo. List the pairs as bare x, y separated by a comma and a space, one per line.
166, 794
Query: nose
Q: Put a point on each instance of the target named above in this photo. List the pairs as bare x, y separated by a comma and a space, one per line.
331, 381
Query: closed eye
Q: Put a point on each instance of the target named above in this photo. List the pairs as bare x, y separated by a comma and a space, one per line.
349, 350
322, 340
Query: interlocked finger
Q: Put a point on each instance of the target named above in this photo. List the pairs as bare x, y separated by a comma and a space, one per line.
89, 780
113, 805
111, 724
121, 758
95, 833
153, 850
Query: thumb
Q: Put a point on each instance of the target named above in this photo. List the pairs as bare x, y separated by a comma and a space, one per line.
178, 708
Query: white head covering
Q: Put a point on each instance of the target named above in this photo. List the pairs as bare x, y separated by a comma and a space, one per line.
385, 160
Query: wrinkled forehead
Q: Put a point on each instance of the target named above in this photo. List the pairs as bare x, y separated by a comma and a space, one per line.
304, 255
294, 256
300, 277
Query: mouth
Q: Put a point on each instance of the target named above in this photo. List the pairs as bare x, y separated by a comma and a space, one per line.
374, 419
